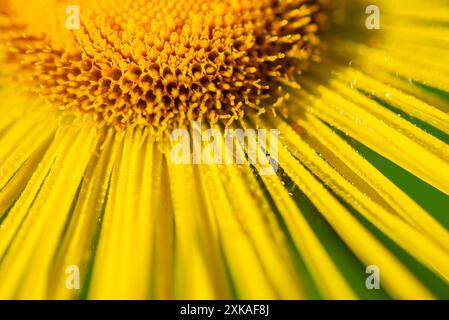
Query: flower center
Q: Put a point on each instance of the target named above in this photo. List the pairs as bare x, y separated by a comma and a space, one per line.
163, 63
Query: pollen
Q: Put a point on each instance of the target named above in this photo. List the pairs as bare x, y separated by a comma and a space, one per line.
162, 63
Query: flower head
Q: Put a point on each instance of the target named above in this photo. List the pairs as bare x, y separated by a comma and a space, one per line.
92, 206
164, 63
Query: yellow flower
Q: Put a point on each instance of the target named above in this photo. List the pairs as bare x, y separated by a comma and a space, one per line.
93, 91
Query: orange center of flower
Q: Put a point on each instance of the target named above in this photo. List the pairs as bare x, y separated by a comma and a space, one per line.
161, 63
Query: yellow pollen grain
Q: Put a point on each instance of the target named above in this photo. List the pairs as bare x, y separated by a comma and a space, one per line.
162, 63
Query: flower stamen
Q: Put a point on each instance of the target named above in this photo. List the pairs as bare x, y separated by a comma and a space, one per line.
165, 63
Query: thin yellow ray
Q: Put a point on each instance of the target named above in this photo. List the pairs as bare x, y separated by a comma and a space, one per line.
428, 141
209, 233
397, 39
5, 122
421, 69
13, 106
103, 284
26, 263
270, 246
244, 262
437, 11
397, 98
425, 36
398, 51
263, 266
343, 155
31, 140
21, 133
411, 89
421, 246
140, 246
425, 47
14, 187
163, 262
123, 267
324, 272
193, 278
397, 280
12, 223
133, 249
20, 163
76, 248
378, 136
